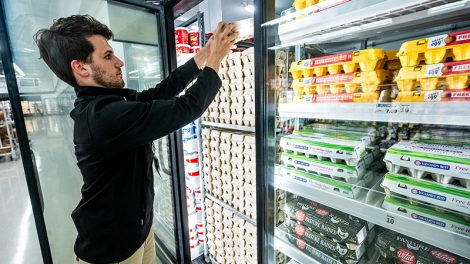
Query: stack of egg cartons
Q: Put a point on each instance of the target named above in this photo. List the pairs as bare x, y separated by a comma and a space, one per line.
239, 239
250, 247
280, 202
226, 168
424, 83
206, 159
248, 58
249, 175
238, 172
216, 163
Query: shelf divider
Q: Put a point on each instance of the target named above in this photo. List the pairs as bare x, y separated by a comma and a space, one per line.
231, 209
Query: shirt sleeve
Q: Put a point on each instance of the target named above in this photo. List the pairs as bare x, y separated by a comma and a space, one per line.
119, 125
173, 84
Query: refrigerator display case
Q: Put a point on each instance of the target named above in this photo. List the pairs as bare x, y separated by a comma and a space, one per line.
362, 132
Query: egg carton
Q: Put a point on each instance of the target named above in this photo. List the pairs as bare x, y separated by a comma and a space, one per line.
422, 174
447, 75
349, 62
446, 164
326, 149
341, 172
455, 46
445, 219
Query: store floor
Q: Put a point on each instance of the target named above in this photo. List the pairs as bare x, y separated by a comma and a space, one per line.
18, 237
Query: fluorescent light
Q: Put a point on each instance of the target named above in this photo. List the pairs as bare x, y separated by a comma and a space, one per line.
379, 23
28, 50
447, 7
250, 8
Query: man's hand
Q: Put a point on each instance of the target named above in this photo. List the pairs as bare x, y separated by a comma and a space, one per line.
220, 43
201, 57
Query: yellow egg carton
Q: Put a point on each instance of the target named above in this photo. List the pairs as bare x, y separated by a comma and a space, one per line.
436, 49
434, 96
348, 62
448, 75
347, 98
303, 86
368, 82
301, 4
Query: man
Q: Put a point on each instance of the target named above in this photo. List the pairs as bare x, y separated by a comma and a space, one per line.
114, 128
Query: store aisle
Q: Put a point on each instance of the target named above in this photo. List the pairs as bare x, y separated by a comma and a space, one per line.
18, 237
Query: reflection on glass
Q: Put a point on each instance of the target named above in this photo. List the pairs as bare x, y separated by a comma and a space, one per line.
163, 203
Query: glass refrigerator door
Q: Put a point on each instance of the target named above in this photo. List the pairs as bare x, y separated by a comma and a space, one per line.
364, 131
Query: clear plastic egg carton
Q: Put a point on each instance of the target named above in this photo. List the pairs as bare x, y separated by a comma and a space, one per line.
340, 172
422, 174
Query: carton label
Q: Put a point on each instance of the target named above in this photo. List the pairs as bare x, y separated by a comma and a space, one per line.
337, 78
405, 256
458, 38
428, 220
443, 256
301, 147
337, 58
334, 98
301, 163
299, 179
428, 194
433, 96
437, 41
432, 165
301, 244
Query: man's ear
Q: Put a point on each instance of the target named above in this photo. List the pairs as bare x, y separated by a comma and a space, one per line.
80, 69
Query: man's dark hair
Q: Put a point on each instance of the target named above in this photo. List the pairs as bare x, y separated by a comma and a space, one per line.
66, 40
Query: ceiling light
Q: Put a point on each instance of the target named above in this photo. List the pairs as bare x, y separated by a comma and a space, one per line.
28, 50
248, 6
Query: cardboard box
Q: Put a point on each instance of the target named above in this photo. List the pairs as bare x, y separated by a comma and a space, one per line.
443, 160
326, 221
446, 196
319, 247
350, 174
402, 249
446, 220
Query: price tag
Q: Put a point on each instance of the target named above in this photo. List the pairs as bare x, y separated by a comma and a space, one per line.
432, 96
384, 108
434, 70
308, 98
308, 81
437, 41
392, 108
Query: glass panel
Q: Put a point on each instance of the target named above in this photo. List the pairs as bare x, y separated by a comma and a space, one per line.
164, 222
47, 101
371, 165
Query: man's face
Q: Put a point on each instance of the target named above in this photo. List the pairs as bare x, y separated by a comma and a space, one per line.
106, 67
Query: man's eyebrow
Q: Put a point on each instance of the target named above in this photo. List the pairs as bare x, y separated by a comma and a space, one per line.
108, 52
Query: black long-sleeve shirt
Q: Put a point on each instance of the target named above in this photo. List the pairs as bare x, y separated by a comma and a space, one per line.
113, 131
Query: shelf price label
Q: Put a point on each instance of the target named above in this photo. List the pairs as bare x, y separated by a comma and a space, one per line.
392, 108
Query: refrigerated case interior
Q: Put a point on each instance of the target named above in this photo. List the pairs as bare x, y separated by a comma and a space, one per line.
372, 149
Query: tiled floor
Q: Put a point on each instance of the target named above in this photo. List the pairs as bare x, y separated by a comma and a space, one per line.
18, 237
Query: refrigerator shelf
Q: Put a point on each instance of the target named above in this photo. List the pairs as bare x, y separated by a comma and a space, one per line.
368, 207
231, 209
444, 113
349, 20
228, 126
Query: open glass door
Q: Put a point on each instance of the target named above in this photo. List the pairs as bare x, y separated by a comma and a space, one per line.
46, 103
